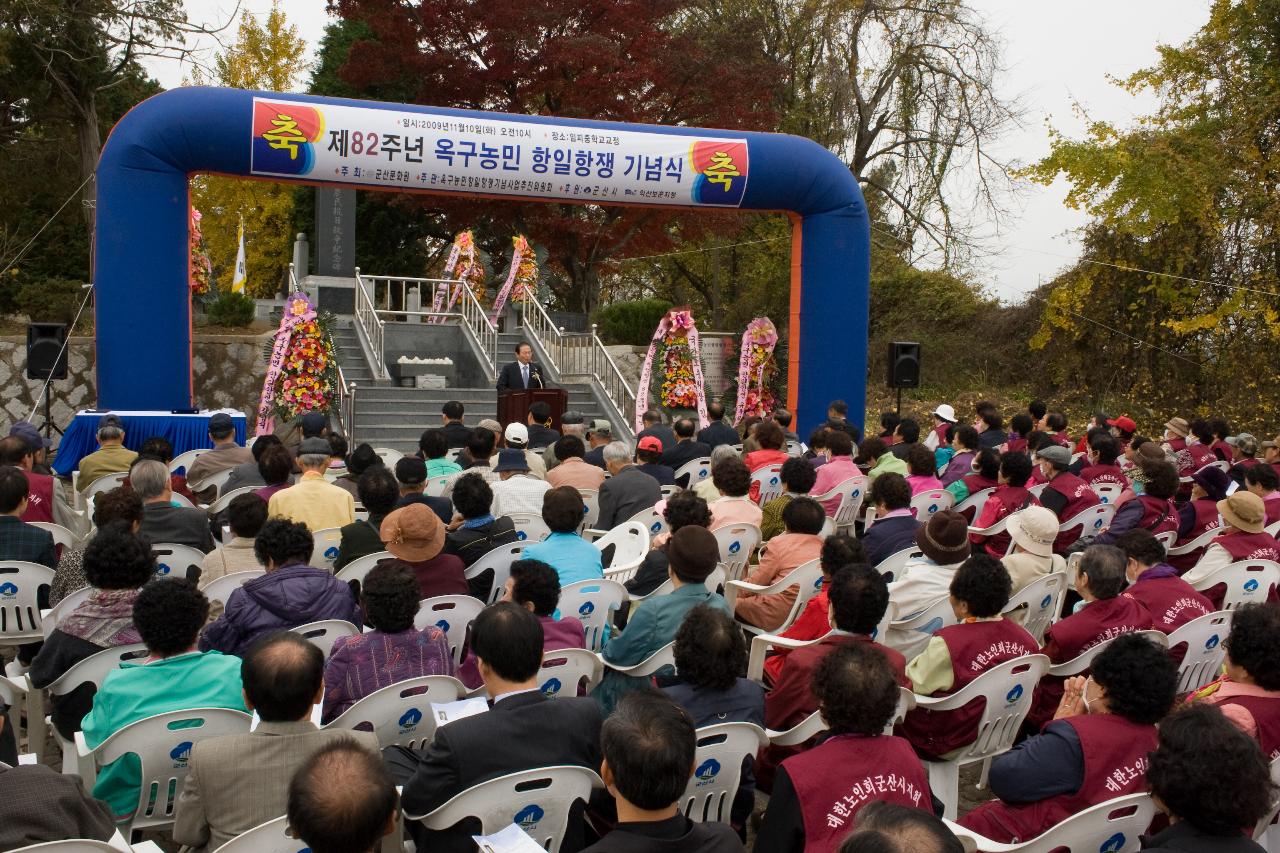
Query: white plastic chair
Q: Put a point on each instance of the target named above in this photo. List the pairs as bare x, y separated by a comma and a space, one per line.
1083, 662
695, 471
926, 505
911, 634
324, 633
564, 670
1167, 538
892, 566
663, 657
176, 560
92, 670
1264, 825
1247, 581
217, 480
452, 614
813, 724
220, 589
325, 550
436, 485
806, 578
538, 801
590, 506
591, 602
1111, 827
400, 713
361, 566
180, 500
114, 844
1007, 689
1108, 493
717, 770
1201, 541
654, 521
183, 460
20, 584
851, 503
50, 618
163, 745
1272, 529
769, 479
760, 645
105, 483
1041, 600
1091, 522
737, 543
269, 837
1036, 490
971, 507
498, 561
630, 543
61, 535
1205, 638
529, 527
224, 501
388, 456
998, 527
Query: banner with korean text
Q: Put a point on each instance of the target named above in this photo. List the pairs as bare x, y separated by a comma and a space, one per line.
447, 153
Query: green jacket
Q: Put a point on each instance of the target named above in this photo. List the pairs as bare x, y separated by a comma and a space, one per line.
888, 462
139, 690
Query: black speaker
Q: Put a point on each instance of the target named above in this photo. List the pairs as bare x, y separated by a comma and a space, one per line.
904, 364
46, 351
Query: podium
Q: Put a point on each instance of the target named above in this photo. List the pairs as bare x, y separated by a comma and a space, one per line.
513, 406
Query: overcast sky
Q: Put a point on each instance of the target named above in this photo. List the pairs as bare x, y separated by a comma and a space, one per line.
1057, 54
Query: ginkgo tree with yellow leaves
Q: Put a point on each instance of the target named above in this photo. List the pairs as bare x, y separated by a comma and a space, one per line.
1176, 299
266, 55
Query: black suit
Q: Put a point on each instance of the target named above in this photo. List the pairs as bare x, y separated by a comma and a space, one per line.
520, 732
663, 433
456, 433
717, 434
684, 452
541, 436
511, 379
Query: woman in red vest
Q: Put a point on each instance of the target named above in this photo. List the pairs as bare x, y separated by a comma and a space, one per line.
1094, 750
986, 475
1103, 615
1153, 510
1249, 693
1065, 493
958, 654
1242, 538
818, 794
1264, 482
1101, 468
1010, 496
1200, 514
1153, 583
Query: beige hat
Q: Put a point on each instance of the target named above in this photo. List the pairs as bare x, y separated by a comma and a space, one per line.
413, 533
1244, 511
1178, 426
1035, 529
491, 425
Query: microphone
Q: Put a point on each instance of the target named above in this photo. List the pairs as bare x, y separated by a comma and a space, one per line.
534, 373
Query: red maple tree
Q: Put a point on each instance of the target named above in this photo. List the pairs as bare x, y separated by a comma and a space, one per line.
647, 61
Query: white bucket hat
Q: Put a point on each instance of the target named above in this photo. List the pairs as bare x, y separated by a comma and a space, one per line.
945, 412
1035, 529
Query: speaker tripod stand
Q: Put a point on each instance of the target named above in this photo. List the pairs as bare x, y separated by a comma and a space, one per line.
48, 428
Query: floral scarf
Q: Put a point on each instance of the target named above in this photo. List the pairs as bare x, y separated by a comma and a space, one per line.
105, 618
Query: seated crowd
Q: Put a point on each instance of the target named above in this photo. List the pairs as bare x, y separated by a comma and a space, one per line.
920, 565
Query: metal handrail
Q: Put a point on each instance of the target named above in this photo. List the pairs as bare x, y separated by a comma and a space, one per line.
375, 328
395, 296
475, 319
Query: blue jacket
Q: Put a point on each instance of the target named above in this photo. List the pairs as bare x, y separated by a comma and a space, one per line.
277, 601
574, 558
888, 536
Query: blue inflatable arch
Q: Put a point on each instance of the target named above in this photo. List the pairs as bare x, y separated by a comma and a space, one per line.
143, 320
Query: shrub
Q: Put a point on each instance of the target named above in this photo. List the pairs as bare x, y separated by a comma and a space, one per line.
49, 299
631, 322
230, 309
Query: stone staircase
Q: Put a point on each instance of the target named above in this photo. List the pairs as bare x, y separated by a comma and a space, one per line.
388, 415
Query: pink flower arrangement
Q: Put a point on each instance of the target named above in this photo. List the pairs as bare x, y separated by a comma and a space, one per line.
199, 268
757, 369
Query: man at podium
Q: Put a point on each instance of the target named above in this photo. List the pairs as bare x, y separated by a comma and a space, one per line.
521, 374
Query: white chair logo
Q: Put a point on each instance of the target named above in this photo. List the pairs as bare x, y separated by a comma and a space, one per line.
528, 817
8, 590
551, 687
181, 754
409, 720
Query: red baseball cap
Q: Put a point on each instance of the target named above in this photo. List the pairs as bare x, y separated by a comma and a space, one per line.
1125, 423
650, 442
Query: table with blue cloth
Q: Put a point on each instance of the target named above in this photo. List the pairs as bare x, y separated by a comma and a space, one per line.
184, 432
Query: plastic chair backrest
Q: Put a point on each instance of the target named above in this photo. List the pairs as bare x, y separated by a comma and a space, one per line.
325, 550
652, 520
1092, 521
498, 561
361, 566
927, 504
163, 745
971, 507
452, 614
1199, 542
590, 602
176, 561
181, 500
388, 456
538, 801
217, 480
73, 845
696, 470
912, 634
717, 769
663, 657
770, 483
324, 633
807, 579
183, 460
1111, 827
1008, 690
1247, 581
891, 566
630, 542
564, 670
400, 713
1036, 490
93, 669
1083, 662
853, 493
61, 535
1107, 492
436, 485
220, 589
269, 837
1167, 538
529, 527
1272, 529
224, 501
1205, 638
590, 506
73, 600
737, 543
20, 583
1042, 599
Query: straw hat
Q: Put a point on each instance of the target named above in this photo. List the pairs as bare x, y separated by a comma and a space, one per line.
1244, 511
413, 533
1035, 529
